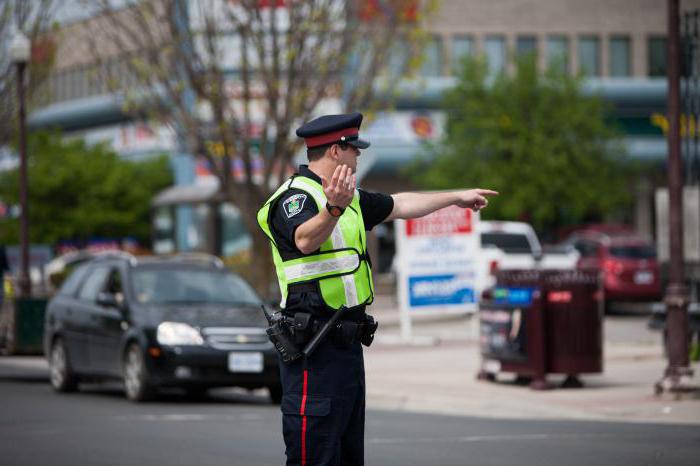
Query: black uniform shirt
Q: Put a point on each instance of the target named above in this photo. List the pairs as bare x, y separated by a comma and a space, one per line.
296, 207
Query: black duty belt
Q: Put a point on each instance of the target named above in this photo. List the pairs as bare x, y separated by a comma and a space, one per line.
345, 332
310, 287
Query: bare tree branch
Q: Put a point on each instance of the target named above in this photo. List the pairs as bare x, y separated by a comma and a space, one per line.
34, 20
235, 76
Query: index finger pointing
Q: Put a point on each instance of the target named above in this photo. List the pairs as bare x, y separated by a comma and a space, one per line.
487, 192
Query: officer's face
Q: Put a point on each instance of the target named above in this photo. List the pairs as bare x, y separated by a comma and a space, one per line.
347, 155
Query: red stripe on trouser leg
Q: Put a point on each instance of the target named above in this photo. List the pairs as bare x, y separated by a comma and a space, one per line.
303, 441
303, 419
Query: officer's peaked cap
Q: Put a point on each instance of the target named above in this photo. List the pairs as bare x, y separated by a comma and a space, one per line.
332, 129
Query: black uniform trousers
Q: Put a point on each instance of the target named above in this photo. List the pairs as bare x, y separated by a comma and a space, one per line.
323, 407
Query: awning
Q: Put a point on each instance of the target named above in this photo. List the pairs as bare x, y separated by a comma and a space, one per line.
187, 194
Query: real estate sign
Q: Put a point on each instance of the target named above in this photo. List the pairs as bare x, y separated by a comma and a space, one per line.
436, 262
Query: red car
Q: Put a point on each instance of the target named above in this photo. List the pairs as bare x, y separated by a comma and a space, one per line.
629, 265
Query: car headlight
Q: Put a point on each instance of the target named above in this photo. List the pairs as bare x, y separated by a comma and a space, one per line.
177, 333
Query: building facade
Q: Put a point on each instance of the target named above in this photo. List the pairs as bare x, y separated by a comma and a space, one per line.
619, 45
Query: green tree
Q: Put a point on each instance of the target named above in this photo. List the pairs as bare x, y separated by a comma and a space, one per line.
537, 139
78, 191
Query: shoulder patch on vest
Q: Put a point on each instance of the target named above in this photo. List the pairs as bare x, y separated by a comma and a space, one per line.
294, 204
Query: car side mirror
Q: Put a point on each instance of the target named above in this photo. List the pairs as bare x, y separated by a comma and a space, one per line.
108, 300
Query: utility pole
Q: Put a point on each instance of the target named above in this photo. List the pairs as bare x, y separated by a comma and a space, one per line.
20, 50
677, 297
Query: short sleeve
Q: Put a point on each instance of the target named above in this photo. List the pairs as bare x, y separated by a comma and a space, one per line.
375, 208
292, 209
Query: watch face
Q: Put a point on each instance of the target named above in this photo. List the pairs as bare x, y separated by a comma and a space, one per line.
336, 211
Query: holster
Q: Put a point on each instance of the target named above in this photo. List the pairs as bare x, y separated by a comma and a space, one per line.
348, 332
368, 331
302, 328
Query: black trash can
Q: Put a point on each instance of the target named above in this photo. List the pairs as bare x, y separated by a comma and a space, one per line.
542, 322
28, 326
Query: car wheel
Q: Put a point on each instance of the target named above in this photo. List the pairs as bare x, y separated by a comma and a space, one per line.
60, 373
275, 393
136, 385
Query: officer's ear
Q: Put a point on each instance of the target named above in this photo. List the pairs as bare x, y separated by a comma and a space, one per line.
334, 151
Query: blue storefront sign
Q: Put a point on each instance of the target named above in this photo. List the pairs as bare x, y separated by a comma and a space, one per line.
436, 290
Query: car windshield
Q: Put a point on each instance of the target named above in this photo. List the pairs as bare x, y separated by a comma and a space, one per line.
633, 252
508, 242
160, 285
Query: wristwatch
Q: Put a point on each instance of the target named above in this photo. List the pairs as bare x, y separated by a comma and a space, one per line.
334, 210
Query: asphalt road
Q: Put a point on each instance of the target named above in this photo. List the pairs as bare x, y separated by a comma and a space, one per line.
99, 427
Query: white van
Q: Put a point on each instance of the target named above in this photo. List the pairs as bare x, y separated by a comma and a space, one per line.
514, 245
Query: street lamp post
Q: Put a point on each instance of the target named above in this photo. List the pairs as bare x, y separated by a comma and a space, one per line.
20, 50
677, 292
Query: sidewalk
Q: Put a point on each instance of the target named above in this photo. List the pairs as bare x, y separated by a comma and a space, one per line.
438, 375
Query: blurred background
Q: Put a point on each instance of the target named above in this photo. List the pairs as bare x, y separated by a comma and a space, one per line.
138, 138
552, 100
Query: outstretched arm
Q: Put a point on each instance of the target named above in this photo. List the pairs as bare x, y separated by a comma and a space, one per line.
414, 205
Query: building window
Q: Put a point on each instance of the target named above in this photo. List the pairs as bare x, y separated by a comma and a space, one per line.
462, 47
432, 57
558, 53
495, 50
620, 64
398, 58
656, 58
589, 55
526, 46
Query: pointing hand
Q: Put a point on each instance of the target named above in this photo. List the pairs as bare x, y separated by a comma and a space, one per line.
474, 199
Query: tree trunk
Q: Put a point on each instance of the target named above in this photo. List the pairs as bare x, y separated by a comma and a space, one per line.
260, 269
261, 266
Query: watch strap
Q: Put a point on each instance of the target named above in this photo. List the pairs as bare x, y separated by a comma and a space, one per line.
334, 210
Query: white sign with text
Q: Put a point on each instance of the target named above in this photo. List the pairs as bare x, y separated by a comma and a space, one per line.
437, 264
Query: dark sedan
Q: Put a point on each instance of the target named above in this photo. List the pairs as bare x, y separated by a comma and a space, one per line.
158, 322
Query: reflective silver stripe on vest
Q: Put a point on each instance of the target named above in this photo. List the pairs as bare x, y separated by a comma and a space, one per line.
348, 280
336, 238
327, 266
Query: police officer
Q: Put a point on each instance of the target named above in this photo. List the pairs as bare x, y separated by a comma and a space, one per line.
317, 223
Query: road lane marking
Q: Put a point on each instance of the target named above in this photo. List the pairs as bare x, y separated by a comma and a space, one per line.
494, 438
190, 417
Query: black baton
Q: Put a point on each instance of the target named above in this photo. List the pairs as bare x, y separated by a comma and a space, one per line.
321, 334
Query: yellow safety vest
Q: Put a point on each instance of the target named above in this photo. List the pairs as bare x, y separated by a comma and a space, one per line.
340, 267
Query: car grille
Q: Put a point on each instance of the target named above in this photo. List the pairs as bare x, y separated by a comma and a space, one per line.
234, 337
